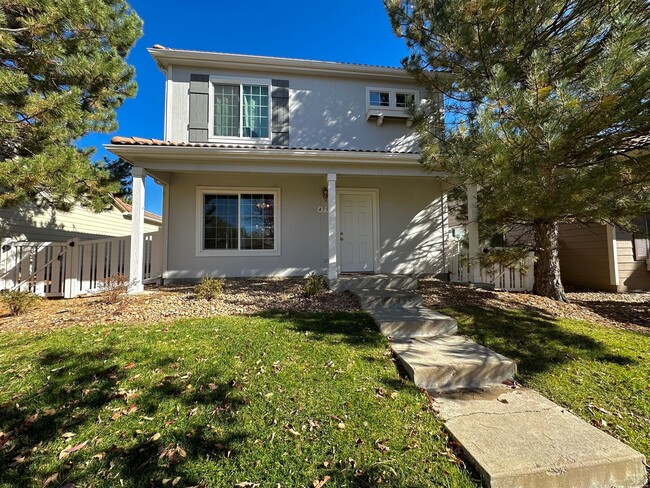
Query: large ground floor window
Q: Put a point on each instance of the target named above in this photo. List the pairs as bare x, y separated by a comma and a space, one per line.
241, 221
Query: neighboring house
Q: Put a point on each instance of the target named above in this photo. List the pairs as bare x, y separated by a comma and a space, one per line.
604, 257
42, 224
282, 167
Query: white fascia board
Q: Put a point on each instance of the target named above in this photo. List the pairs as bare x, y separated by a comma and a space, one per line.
204, 59
184, 158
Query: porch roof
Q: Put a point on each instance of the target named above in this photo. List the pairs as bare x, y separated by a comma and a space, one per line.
168, 156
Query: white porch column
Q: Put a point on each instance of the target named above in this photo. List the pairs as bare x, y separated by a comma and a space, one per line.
472, 233
332, 269
137, 231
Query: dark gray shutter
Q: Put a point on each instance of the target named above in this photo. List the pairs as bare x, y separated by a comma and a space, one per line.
280, 115
199, 95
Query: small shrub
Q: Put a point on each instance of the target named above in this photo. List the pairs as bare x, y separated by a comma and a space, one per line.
209, 288
18, 302
314, 285
114, 288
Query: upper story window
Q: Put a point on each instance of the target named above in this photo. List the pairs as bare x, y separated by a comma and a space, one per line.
390, 102
240, 108
379, 99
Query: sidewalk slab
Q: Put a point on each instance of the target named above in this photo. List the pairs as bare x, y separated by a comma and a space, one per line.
404, 322
451, 363
518, 438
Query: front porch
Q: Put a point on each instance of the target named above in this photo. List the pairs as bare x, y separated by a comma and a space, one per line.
329, 212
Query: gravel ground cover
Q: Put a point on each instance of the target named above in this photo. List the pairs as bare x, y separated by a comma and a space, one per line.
623, 310
165, 304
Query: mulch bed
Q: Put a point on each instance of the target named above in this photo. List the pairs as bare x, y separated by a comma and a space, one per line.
253, 296
168, 303
623, 310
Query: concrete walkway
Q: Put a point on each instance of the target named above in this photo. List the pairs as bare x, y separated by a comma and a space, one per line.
514, 437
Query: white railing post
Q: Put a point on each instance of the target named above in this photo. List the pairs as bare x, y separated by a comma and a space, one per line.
473, 234
71, 287
137, 231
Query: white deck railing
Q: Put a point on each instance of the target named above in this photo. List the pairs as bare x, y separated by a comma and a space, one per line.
69, 269
512, 278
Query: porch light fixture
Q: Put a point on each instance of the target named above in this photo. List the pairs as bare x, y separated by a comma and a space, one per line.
325, 193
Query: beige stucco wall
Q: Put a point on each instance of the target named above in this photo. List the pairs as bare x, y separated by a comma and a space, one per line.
325, 111
409, 223
43, 225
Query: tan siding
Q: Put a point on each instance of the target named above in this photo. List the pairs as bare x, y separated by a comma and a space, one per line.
632, 274
584, 260
48, 225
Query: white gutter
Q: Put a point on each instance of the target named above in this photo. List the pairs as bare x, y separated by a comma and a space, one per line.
165, 57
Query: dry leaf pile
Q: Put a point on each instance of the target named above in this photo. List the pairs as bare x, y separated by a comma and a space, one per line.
623, 310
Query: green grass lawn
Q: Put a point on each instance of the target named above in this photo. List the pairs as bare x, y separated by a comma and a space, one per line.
602, 374
282, 400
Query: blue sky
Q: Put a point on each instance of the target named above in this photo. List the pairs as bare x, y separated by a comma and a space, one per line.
356, 31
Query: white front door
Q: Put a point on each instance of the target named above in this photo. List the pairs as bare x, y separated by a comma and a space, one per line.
356, 232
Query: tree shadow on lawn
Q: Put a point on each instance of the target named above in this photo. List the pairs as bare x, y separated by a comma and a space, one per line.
637, 313
80, 391
535, 341
356, 329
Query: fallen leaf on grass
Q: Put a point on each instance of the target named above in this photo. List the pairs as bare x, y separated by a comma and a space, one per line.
155, 437
321, 483
176, 481
51, 479
69, 450
18, 460
68, 435
289, 428
247, 484
129, 366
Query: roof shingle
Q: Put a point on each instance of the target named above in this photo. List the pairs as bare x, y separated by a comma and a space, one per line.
139, 141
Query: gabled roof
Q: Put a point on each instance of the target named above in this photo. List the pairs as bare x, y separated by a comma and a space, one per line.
139, 141
128, 209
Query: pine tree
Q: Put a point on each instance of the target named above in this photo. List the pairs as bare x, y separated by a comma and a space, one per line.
63, 74
542, 98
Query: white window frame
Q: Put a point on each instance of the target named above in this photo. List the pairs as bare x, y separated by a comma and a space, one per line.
201, 191
392, 110
237, 80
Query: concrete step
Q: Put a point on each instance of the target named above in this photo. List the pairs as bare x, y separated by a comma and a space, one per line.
518, 438
369, 299
451, 363
406, 322
375, 282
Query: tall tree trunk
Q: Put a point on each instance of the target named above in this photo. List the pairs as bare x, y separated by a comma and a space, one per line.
548, 282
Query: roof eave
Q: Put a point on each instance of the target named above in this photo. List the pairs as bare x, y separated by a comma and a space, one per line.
165, 57
258, 154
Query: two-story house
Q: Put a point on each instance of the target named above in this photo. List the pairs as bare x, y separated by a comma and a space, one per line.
282, 167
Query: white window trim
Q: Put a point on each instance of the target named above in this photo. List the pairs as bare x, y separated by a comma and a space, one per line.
200, 230
392, 110
236, 80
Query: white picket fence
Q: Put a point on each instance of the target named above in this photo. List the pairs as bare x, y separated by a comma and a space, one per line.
506, 278
73, 268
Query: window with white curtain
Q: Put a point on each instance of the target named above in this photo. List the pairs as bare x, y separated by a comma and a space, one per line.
240, 109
